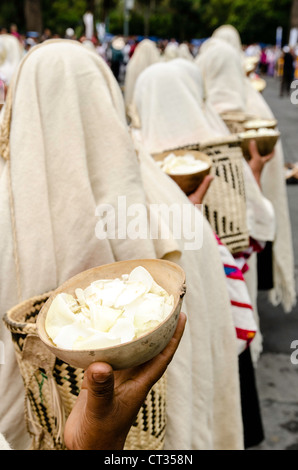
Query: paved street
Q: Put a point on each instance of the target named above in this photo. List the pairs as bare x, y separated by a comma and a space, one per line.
277, 377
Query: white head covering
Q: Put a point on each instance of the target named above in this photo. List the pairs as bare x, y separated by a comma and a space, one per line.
170, 52
89, 44
73, 154
64, 162
11, 53
229, 34
169, 102
184, 52
145, 54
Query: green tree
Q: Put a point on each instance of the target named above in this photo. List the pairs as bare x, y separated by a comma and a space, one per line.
255, 20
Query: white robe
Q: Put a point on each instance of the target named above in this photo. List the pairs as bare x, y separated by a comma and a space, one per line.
228, 89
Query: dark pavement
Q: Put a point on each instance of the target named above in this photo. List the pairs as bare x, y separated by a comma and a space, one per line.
277, 377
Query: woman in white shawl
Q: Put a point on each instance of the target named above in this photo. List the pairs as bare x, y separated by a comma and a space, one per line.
157, 105
11, 53
74, 154
170, 52
184, 52
228, 89
172, 113
145, 54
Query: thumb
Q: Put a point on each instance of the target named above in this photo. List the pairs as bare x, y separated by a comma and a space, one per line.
100, 386
253, 149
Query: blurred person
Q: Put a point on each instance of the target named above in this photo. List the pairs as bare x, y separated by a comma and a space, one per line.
184, 52
263, 61
29, 43
117, 56
170, 51
103, 166
288, 71
228, 89
11, 53
14, 31
172, 114
178, 89
70, 34
271, 59
89, 24
47, 34
101, 50
133, 47
273, 186
146, 54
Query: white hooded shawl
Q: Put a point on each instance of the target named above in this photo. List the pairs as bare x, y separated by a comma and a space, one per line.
220, 62
74, 154
145, 54
158, 104
11, 53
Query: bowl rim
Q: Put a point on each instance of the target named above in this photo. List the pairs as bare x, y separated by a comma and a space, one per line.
162, 155
41, 317
261, 137
272, 122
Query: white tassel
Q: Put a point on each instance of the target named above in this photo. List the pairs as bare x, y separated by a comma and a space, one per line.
58, 409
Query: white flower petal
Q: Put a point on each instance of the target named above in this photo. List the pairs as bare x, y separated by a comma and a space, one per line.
124, 329
59, 314
141, 274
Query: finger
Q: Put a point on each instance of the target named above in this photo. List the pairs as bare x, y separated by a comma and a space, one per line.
153, 370
100, 385
203, 188
269, 156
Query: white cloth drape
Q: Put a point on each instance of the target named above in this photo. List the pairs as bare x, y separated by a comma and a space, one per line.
157, 105
145, 54
11, 53
74, 154
228, 89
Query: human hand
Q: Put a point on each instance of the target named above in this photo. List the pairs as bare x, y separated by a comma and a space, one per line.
198, 195
257, 162
109, 400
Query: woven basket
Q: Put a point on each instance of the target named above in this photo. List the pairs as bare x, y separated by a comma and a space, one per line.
52, 387
225, 201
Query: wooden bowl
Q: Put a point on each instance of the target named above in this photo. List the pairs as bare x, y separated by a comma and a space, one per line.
167, 274
255, 124
265, 144
190, 182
